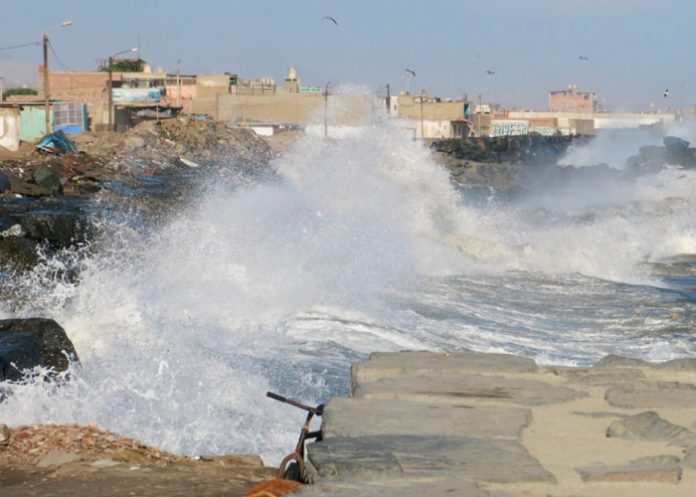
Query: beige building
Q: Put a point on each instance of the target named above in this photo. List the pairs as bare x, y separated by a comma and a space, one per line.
431, 117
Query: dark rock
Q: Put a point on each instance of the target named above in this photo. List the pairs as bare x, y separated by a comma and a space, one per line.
18, 250
5, 185
28, 343
27, 189
60, 229
675, 144
508, 149
46, 177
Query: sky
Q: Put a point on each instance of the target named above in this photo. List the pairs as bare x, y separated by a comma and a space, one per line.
636, 48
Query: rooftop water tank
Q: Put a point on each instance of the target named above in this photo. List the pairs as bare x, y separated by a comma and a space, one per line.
292, 73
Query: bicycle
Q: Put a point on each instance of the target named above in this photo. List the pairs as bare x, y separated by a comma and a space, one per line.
292, 467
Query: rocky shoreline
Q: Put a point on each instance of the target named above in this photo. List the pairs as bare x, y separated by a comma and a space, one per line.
515, 164
46, 200
471, 424
417, 423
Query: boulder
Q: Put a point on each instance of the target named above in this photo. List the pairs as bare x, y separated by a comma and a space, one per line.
59, 228
46, 177
649, 425
676, 144
5, 185
19, 251
28, 343
409, 457
661, 394
617, 361
658, 469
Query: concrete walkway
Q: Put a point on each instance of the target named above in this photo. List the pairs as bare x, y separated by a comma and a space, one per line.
466, 424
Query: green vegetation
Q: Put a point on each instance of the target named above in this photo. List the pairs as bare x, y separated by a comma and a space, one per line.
124, 65
18, 91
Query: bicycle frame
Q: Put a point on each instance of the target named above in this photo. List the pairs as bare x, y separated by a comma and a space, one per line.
299, 453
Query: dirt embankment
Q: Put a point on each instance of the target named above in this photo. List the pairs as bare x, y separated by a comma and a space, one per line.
82, 461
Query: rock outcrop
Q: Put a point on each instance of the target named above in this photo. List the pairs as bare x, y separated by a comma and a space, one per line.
651, 159
29, 343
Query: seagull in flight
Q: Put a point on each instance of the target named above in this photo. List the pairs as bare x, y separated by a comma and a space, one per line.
411, 72
582, 57
489, 72
330, 19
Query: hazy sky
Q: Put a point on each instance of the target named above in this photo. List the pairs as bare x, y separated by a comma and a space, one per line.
636, 48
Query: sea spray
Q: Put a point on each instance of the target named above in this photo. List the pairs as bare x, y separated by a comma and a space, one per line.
359, 244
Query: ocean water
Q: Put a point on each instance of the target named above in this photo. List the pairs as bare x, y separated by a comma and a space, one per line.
358, 244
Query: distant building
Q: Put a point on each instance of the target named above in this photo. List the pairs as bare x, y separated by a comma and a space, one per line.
431, 117
130, 89
292, 82
572, 100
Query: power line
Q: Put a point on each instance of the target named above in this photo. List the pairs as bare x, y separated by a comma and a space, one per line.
35, 43
60, 62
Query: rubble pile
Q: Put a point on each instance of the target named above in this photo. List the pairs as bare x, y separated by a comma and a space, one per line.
147, 148
192, 143
28, 445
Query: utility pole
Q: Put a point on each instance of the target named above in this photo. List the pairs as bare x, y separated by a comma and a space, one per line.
111, 92
422, 98
110, 85
47, 105
178, 83
47, 92
388, 98
326, 110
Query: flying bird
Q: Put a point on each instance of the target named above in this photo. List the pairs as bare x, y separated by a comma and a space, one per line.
666, 94
582, 57
330, 19
488, 71
411, 72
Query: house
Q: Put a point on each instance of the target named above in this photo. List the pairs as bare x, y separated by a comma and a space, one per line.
572, 100
130, 89
432, 117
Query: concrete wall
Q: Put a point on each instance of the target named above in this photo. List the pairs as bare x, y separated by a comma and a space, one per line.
409, 106
601, 120
279, 108
9, 128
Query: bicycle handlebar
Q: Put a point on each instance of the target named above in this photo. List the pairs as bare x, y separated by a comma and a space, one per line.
314, 410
